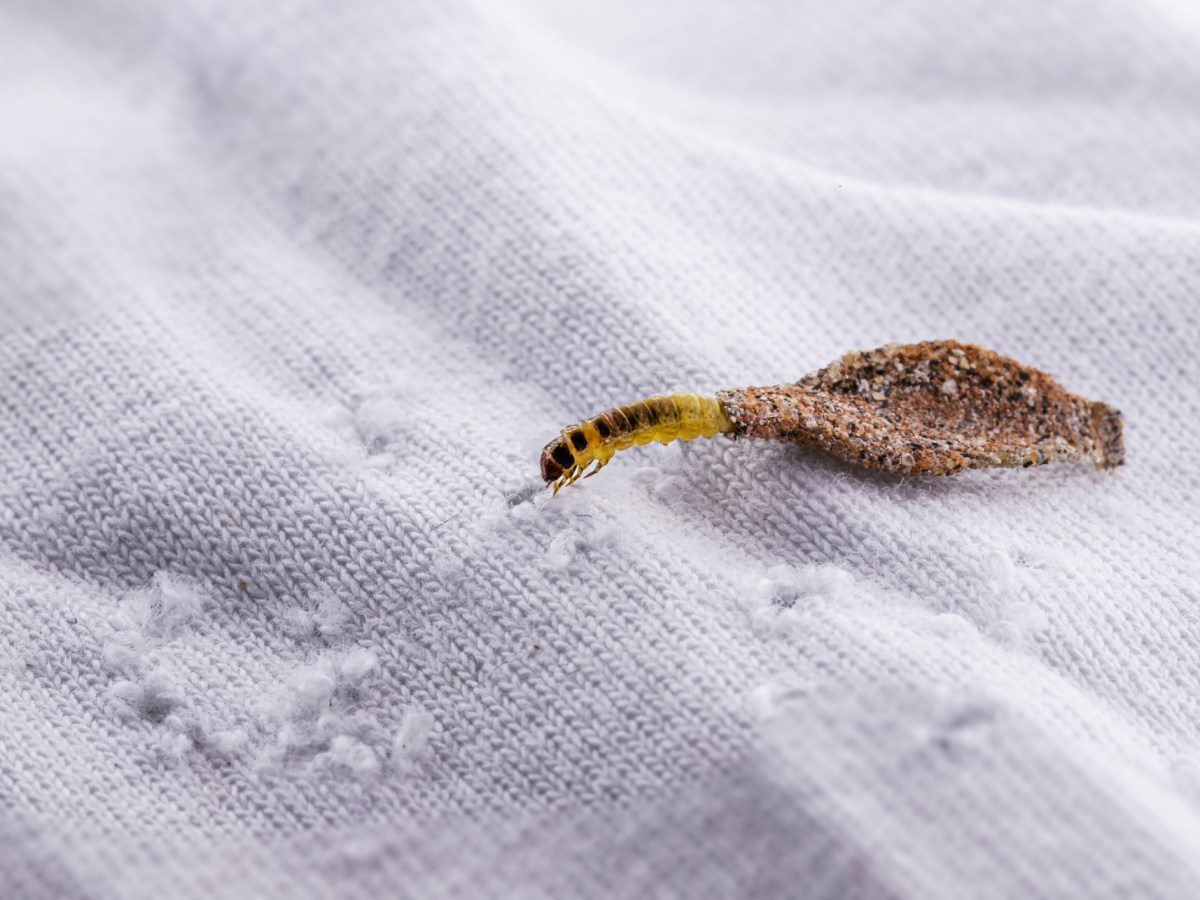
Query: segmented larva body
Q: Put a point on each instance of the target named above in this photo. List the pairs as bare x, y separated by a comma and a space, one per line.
663, 418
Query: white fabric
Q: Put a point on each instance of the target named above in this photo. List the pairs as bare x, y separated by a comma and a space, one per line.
291, 295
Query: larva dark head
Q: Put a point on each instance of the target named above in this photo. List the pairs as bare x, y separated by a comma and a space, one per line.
556, 458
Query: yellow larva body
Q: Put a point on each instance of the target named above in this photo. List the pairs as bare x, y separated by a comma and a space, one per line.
663, 418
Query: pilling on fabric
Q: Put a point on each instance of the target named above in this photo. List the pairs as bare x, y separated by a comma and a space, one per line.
293, 294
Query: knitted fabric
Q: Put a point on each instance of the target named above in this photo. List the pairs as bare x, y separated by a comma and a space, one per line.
292, 295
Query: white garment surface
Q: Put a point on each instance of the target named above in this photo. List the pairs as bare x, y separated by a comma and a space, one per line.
292, 295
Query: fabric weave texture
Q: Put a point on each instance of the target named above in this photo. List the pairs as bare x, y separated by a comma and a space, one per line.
292, 295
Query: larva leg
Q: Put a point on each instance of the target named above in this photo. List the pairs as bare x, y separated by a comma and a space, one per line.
563, 480
596, 468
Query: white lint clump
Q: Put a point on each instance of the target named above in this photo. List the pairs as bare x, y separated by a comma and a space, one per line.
379, 420
382, 416
314, 686
567, 525
766, 700
562, 550
145, 682
320, 616
162, 611
125, 698
999, 573
144, 655
230, 742
411, 742
781, 599
357, 665
348, 756
1021, 624
1015, 621
322, 722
